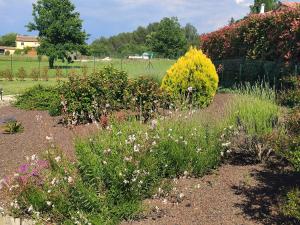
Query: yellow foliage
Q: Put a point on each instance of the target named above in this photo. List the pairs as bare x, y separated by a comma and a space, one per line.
194, 71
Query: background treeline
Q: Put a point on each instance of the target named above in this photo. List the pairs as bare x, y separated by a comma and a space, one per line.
166, 38
8, 40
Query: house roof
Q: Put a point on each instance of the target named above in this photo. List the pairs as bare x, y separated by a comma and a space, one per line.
25, 38
8, 48
292, 5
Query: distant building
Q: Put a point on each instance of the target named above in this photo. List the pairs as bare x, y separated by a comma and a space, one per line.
145, 56
23, 41
5, 49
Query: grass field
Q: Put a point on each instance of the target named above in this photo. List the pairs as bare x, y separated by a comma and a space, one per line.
156, 69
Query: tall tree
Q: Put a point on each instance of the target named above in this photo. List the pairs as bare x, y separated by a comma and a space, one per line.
269, 5
169, 40
191, 35
60, 29
8, 39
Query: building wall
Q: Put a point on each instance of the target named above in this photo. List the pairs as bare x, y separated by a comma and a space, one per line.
22, 45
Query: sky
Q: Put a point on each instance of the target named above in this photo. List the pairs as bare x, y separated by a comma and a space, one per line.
110, 17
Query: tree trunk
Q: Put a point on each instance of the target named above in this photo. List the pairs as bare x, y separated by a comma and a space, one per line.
51, 63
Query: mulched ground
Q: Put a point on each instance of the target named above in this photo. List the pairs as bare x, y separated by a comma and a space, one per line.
233, 195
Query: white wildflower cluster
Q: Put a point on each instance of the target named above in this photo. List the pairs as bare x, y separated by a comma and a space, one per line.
80, 219
15, 204
225, 143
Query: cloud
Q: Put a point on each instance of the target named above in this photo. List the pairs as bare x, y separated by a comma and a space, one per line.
243, 2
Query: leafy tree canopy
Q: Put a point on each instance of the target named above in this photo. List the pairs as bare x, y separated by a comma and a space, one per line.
269, 5
169, 39
60, 29
8, 40
142, 40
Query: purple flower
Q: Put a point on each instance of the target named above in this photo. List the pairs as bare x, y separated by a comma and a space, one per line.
24, 168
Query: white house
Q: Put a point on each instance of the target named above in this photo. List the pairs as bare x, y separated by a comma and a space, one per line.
23, 41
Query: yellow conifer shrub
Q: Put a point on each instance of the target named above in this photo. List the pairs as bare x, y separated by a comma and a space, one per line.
193, 77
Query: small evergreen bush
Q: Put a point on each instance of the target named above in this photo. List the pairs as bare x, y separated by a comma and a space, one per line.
21, 74
193, 79
40, 98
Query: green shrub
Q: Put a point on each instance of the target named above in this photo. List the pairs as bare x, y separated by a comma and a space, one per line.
289, 95
21, 74
8, 75
45, 75
35, 73
40, 98
58, 73
193, 79
292, 205
13, 127
87, 98
145, 97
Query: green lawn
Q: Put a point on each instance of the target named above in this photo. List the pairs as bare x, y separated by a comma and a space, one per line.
156, 69
17, 87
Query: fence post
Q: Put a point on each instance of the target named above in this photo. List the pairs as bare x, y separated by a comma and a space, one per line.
94, 64
296, 70
11, 64
241, 67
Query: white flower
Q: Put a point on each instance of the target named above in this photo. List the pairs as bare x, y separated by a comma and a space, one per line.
104, 163
186, 173
70, 180
125, 181
226, 144
154, 124
165, 201
136, 148
222, 154
181, 195
128, 159
57, 159
154, 143
49, 203
49, 191
190, 89
49, 138
30, 208
33, 157
54, 181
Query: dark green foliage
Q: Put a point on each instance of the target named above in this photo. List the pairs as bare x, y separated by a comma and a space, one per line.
269, 5
40, 98
87, 98
169, 39
59, 35
8, 40
141, 40
13, 127
289, 93
292, 205
145, 97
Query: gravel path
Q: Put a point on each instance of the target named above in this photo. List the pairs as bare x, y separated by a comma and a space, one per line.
233, 195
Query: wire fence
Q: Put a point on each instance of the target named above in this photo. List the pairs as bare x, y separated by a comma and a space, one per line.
240, 71
134, 67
